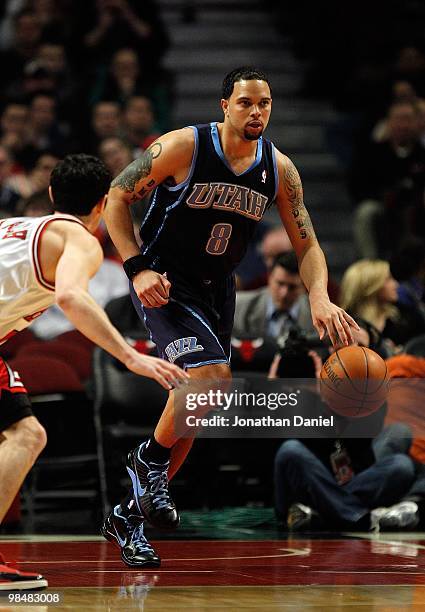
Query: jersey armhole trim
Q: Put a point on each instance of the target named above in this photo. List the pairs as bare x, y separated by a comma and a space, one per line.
276, 172
35, 249
192, 164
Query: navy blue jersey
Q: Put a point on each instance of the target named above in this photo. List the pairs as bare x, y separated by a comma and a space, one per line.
201, 228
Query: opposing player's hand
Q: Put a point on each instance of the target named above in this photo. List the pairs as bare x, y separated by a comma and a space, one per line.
166, 374
152, 288
332, 320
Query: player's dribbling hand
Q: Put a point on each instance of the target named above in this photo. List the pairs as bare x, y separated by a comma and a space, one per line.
152, 288
332, 320
168, 375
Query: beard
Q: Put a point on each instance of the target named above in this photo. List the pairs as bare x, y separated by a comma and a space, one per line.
251, 136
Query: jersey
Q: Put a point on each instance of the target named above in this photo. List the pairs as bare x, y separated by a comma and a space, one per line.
24, 292
201, 227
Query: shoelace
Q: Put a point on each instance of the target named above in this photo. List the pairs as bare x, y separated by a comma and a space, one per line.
158, 485
138, 538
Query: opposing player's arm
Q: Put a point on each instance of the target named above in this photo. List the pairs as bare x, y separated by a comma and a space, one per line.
79, 261
168, 158
327, 317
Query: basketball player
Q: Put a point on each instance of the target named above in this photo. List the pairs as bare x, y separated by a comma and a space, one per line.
42, 261
212, 184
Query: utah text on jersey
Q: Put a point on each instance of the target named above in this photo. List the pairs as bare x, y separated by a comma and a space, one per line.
225, 196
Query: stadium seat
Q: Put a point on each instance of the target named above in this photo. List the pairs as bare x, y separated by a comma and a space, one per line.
127, 408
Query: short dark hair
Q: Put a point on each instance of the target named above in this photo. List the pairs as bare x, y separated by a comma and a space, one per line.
286, 260
243, 73
78, 182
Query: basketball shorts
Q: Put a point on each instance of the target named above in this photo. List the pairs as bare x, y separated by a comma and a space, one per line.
194, 329
14, 401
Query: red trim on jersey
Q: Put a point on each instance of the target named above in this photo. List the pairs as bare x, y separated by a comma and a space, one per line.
10, 380
36, 250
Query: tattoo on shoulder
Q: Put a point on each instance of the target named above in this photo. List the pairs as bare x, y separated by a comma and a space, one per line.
294, 192
137, 170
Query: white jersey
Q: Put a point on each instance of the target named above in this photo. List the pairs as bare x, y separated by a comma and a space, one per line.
24, 293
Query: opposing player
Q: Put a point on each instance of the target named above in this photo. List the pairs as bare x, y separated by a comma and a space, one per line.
42, 261
212, 184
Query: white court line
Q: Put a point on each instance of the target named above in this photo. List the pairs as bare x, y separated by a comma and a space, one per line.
366, 572
155, 571
291, 552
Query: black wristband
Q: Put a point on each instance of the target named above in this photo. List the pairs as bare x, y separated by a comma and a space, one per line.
134, 265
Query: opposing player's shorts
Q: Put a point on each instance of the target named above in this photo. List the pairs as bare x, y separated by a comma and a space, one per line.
194, 328
14, 401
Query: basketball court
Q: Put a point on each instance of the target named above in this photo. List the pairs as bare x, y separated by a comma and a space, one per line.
371, 572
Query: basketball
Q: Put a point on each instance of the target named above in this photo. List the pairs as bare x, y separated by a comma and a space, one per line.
354, 381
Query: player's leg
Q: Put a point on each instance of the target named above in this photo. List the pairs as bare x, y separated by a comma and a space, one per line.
184, 334
151, 466
22, 439
21, 444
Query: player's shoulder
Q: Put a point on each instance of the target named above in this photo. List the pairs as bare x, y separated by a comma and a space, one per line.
70, 229
181, 141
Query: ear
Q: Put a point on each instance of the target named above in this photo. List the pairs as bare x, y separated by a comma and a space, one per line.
101, 204
51, 194
224, 105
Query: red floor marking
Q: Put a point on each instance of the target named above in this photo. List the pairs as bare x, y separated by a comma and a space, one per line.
208, 563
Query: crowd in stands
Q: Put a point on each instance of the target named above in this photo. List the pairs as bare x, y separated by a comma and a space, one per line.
71, 84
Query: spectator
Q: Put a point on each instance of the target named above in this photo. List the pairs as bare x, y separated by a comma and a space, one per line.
128, 76
23, 48
37, 178
8, 197
123, 80
54, 17
7, 23
106, 123
139, 123
45, 130
402, 92
338, 483
369, 291
408, 268
405, 403
36, 205
14, 132
116, 153
119, 23
53, 58
387, 182
273, 310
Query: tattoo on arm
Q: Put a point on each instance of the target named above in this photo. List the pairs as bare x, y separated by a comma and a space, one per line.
294, 193
138, 170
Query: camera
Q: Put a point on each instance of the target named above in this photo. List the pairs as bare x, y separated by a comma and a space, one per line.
296, 340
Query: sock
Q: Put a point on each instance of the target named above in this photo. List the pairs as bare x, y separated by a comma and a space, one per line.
154, 451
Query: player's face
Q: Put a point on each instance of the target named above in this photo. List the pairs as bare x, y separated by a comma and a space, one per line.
248, 108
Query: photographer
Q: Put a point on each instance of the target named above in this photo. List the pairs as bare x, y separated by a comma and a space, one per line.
332, 482
273, 310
